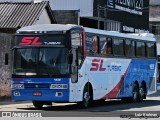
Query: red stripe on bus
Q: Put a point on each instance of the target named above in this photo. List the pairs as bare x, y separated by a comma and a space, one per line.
114, 92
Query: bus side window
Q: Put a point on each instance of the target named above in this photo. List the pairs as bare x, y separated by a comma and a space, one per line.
140, 49
92, 44
107, 47
128, 48
133, 49
95, 44
80, 57
88, 43
150, 50
118, 46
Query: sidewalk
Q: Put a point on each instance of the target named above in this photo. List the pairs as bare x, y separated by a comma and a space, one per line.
5, 100
157, 94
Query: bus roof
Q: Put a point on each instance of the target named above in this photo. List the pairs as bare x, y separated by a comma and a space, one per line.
123, 35
47, 27
63, 27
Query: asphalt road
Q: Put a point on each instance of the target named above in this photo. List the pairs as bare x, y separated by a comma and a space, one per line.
109, 108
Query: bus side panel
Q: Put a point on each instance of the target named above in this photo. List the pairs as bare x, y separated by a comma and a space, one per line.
139, 70
105, 75
110, 81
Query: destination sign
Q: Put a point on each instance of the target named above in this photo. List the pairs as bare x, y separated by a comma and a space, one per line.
31, 40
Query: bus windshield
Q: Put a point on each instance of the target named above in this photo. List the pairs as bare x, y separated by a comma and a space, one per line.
40, 61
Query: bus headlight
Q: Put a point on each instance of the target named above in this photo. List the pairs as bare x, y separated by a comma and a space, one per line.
17, 86
59, 86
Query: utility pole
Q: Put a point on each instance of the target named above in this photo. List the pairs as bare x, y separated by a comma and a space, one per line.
105, 17
98, 10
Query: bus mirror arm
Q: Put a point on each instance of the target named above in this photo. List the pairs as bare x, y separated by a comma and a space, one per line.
73, 70
70, 58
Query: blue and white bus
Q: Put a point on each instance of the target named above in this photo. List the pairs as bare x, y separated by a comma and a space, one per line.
71, 63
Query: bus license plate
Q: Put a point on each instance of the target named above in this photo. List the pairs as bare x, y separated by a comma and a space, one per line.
37, 93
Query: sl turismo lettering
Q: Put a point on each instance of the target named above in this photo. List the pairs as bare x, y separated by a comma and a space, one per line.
97, 65
30, 41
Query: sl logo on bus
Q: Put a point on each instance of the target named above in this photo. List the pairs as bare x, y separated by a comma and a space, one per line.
30, 41
97, 65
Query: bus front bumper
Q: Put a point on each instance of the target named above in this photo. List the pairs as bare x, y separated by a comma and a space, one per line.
40, 95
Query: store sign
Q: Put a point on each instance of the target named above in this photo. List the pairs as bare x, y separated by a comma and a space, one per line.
134, 30
110, 3
131, 6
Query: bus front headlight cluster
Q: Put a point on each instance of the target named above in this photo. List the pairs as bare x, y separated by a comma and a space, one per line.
58, 86
17, 86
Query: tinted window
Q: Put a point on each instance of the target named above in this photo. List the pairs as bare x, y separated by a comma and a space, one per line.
42, 61
118, 46
92, 44
140, 49
128, 48
106, 46
150, 50
133, 48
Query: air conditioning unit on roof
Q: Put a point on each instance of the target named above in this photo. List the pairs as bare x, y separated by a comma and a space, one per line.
147, 35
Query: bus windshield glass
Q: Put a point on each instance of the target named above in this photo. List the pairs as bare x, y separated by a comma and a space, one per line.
40, 61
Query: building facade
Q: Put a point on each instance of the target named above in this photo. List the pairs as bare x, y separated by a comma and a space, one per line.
128, 16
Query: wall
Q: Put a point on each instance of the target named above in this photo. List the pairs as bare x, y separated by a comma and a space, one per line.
154, 2
44, 18
71, 16
5, 70
154, 11
85, 6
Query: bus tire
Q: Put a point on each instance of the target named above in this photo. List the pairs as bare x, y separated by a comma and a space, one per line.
86, 97
135, 94
38, 104
142, 93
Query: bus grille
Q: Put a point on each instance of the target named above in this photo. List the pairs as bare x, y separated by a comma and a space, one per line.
37, 86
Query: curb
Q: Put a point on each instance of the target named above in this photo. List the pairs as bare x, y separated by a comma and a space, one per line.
5, 98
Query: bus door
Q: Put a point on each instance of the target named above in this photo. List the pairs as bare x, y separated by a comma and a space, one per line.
74, 76
74, 67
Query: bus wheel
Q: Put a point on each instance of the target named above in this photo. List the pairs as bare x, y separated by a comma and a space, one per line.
142, 93
38, 104
86, 97
135, 93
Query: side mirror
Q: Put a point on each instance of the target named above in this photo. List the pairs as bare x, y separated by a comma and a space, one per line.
6, 59
70, 58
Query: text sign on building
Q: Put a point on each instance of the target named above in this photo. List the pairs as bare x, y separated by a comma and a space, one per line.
133, 15
130, 6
